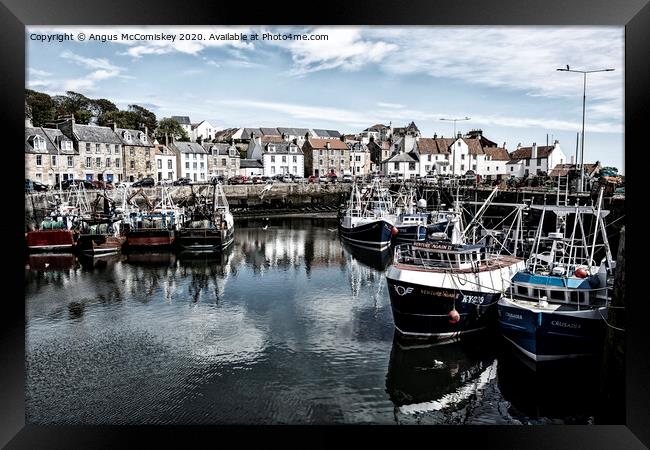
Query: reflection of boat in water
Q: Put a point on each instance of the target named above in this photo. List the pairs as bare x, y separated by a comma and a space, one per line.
189, 258
374, 259
541, 391
152, 259
51, 262
438, 379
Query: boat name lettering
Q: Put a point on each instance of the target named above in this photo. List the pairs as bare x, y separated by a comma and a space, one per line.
433, 246
438, 293
565, 324
401, 290
514, 316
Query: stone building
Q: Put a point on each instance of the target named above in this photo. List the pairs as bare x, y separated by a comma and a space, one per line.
49, 156
323, 156
223, 159
138, 155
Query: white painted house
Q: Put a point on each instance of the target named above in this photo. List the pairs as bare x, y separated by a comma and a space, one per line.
204, 129
192, 160
535, 159
185, 123
165, 163
277, 158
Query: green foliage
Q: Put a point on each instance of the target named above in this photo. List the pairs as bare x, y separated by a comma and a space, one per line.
42, 107
123, 119
173, 129
146, 118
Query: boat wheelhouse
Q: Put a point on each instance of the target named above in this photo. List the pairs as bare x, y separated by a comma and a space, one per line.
56, 232
411, 223
101, 232
153, 226
557, 306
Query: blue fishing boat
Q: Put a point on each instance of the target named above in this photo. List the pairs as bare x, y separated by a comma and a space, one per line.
556, 308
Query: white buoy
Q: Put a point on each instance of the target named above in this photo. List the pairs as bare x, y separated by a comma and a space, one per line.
422, 203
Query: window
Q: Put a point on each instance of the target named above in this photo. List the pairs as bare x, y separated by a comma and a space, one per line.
320, 162
187, 165
462, 156
39, 160
396, 166
148, 165
527, 162
70, 161
512, 169
411, 166
202, 165
488, 168
342, 162
474, 167
272, 169
131, 151
132, 164
146, 152
284, 158
429, 157
39, 177
522, 290
169, 164
459, 143
295, 169
87, 147
462, 167
194, 166
474, 157
97, 148
98, 162
143, 138
127, 136
108, 162
201, 156
187, 175
193, 155
223, 161
272, 158
295, 158
117, 148
159, 162
89, 163
117, 162
447, 157
557, 295
66, 145
170, 175
321, 153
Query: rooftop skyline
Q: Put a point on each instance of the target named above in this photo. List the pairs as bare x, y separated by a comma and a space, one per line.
503, 78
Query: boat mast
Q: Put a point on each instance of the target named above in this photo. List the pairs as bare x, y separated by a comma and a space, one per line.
593, 244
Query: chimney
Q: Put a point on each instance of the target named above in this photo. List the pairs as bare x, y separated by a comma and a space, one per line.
458, 135
555, 142
327, 145
113, 126
533, 154
572, 159
72, 119
435, 135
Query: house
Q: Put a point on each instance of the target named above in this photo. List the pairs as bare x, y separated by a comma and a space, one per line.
294, 134
185, 123
99, 149
203, 130
191, 160
251, 167
223, 159
359, 158
405, 164
378, 132
138, 155
165, 162
533, 160
225, 135
562, 170
323, 156
495, 163
379, 151
434, 155
277, 158
49, 155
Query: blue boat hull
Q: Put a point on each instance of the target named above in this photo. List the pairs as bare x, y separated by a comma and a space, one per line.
548, 336
375, 235
410, 233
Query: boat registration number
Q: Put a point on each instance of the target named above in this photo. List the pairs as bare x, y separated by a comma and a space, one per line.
474, 299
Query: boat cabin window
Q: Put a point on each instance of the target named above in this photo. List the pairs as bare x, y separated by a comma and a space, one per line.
573, 297
522, 290
557, 295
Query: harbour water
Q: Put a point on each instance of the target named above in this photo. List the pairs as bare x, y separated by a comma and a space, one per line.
288, 326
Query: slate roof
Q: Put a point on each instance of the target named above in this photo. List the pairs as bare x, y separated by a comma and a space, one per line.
326, 133
270, 132
187, 147
526, 152
250, 164
221, 149
294, 131
93, 133
56, 136
183, 120
563, 170
30, 133
402, 157
497, 153
135, 138
283, 148
246, 134
335, 144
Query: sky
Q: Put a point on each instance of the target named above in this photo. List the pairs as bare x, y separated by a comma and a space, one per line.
351, 77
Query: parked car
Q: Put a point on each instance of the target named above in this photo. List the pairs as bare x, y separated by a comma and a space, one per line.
145, 182
332, 178
37, 186
182, 182
347, 179
218, 179
287, 179
98, 184
298, 179
237, 179
167, 182
267, 180
66, 184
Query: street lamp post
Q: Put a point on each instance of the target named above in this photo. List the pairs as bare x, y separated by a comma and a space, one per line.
584, 101
453, 150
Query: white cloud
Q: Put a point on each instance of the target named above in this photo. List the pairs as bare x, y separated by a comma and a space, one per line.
39, 73
390, 105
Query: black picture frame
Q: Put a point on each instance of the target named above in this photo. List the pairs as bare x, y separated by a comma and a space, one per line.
633, 14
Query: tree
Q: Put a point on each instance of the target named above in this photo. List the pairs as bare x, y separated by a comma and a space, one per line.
171, 128
100, 107
145, 117
74, 103
42, 107
123, 119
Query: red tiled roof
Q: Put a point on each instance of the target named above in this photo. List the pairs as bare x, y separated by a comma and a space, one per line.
434, 145
474, 146
497, 153
525, 152
271, 138
335, 144
563, 170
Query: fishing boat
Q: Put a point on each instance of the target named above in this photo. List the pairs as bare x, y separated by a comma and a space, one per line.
155, 225
556, 307
56, 232
101, 232
207, 226
368, 220
412, 219
449, 287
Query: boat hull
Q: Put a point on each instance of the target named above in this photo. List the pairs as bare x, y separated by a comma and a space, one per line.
551, 335
374, 235
99, 244
50, 240
410, 233
204, 239
150, 238
422, 312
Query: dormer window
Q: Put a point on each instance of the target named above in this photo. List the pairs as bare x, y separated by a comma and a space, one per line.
39, 143
232, 151
66, 145
271, 148
127, 136
143, 138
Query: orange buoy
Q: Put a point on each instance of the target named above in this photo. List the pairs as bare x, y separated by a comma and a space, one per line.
580, 273
394, 231
454, 317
